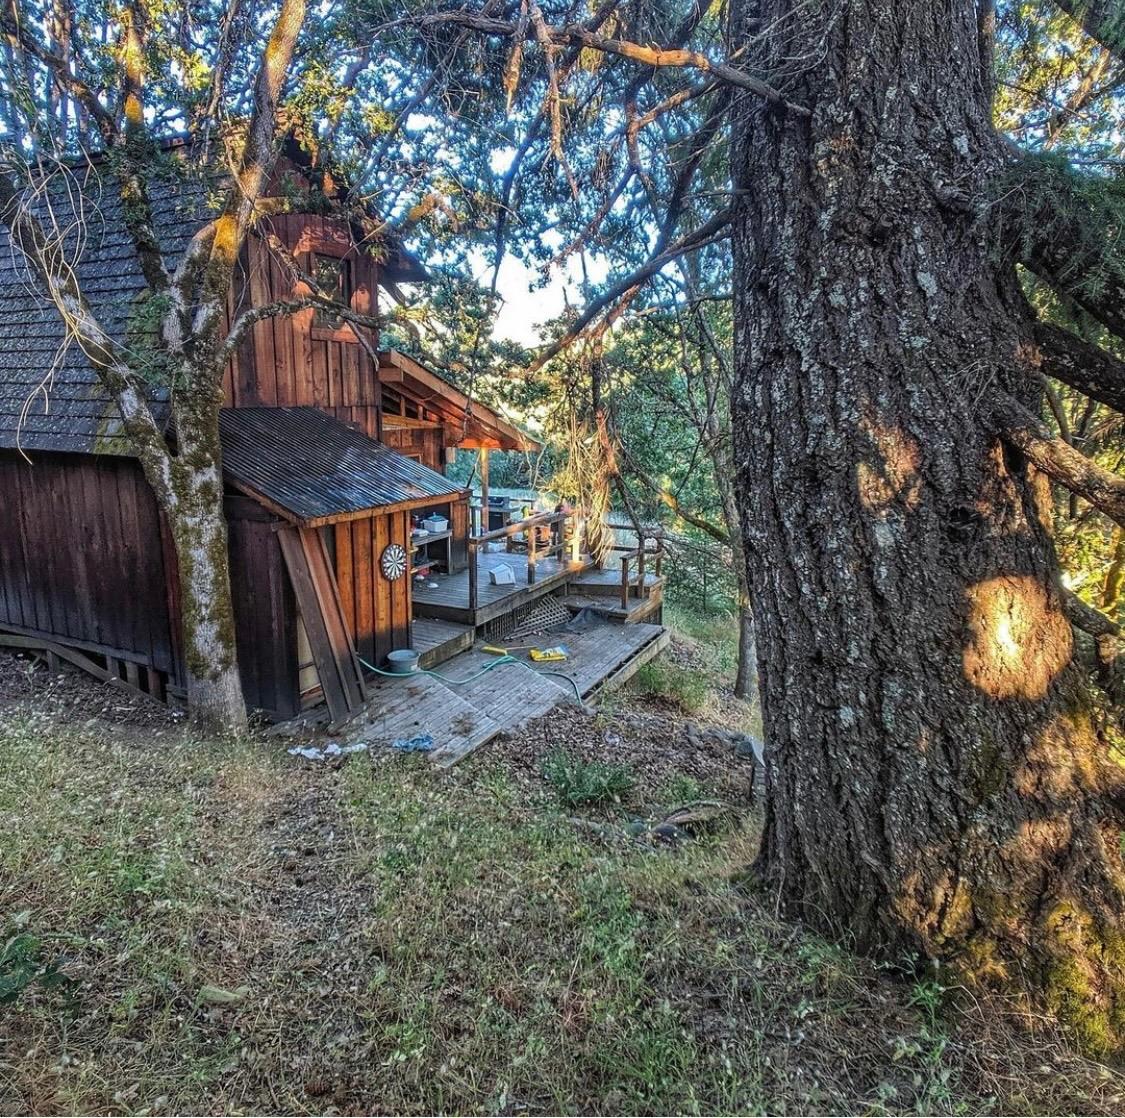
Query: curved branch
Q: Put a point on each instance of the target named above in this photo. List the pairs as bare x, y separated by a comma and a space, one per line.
20, 37
1084, 366
1088, 619
655, 57
706, 233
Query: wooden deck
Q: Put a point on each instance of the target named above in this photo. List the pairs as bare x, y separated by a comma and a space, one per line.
449, 601
436, 641
607, 580
463, 709
420, 704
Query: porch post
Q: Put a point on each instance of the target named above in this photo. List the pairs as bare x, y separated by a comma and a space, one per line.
484, 525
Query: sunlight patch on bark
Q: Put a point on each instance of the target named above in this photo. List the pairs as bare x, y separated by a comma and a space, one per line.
1018, 640
891, 478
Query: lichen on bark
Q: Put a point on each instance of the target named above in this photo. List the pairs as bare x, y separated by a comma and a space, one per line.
934, 772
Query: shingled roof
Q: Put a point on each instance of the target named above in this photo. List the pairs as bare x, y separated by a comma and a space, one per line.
50, 397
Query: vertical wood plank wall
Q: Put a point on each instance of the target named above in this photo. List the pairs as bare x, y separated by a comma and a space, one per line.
82, 561
377, 610
422, 443
287, 361
265, 610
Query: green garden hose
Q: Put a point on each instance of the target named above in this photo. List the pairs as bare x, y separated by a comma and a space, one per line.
507, 658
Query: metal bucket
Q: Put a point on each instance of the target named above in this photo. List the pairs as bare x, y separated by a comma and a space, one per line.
403, 661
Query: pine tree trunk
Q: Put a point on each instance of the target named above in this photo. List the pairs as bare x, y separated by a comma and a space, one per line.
746, 677
932, 761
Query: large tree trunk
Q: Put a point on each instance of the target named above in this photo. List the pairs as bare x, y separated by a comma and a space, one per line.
199, 531
932, 762
189, 489
746, 675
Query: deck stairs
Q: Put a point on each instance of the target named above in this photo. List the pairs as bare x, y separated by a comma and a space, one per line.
466, 706
600, 590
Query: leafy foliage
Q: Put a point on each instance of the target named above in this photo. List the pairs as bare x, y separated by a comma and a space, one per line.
23, 965
581, 783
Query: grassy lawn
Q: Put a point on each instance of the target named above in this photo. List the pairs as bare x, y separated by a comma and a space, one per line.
216, 927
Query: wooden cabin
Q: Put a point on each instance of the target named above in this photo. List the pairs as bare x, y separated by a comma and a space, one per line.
330, 460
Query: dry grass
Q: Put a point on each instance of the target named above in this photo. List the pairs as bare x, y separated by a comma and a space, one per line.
395, 939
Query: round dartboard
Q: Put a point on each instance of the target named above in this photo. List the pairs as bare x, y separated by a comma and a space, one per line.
393, 562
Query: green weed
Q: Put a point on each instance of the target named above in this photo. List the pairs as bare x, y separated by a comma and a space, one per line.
581, 783
687, 688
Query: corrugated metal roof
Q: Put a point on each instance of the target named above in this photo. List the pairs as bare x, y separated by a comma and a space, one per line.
316, 468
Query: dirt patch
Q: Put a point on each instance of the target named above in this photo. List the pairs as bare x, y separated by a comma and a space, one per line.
27, 684
660, 748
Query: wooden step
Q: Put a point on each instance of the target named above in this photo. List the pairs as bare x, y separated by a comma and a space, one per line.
607, 583
437, 641
645, 609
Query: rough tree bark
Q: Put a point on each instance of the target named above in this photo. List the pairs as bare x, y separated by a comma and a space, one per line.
935, 775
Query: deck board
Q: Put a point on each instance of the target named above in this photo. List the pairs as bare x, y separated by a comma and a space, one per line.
607, 579
464, 709
420, 704
449, 599
599, 652
510, 694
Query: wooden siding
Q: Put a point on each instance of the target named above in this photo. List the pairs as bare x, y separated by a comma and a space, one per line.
376, 610
81, 557
288, 361
265, 610
423, 443
459, 545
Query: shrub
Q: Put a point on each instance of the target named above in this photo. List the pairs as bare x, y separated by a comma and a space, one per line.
579, 782
686, 688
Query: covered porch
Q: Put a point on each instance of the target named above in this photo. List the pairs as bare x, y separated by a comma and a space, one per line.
507, 568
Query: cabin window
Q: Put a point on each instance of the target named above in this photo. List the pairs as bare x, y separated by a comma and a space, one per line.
333, 276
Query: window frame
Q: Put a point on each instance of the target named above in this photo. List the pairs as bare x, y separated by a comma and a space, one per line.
321, 330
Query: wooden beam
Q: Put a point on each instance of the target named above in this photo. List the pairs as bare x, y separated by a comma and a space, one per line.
329, 638
482, 469
437, 394
405, 421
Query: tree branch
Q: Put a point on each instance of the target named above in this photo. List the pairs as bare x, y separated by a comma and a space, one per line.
258, 157
1103, 20
667, 497
706, 233
21, 38
1084, 366
1057, 459
578, 35
1088, 619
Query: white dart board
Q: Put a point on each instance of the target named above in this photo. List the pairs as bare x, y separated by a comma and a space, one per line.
393, 561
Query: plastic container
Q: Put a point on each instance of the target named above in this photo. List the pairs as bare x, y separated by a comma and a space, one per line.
435, 524
403, 661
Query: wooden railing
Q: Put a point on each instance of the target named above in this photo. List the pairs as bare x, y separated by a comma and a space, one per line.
531, 526
639, 557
